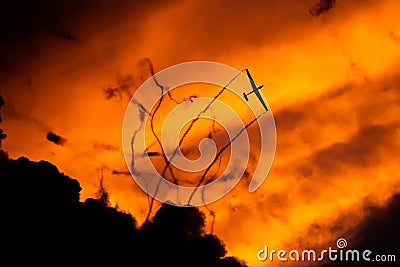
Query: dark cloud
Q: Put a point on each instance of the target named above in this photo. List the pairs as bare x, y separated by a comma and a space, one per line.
371, 140
297, 114
29, 30
66, 35
55, 138
394, 37
44, 220
104, 146
61, 32
322, 7
287, 119
12, 111
241, 30
22, 19
377, 232
361, 150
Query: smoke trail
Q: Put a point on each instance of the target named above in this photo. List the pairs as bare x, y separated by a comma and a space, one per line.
183, 100
141, 118
204, 111
192, 123
219, 154
151, 68
196, 119
213, 130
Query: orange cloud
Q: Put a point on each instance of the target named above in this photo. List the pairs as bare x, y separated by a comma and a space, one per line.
330, 80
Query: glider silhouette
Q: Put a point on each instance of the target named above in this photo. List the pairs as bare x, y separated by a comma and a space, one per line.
255, 91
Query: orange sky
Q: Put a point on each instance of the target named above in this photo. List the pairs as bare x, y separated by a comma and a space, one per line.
332, 82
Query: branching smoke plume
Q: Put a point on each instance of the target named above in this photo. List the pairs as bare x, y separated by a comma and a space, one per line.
125, 85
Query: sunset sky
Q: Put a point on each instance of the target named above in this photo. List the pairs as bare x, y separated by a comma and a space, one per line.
331, 81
